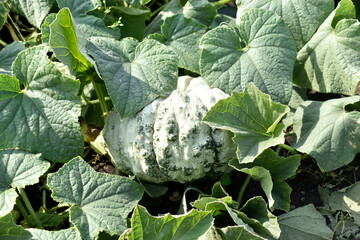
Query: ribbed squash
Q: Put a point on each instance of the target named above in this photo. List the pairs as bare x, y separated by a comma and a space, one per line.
167, 140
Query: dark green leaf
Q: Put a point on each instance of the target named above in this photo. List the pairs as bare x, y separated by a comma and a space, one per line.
8, 55
10, 231
4, 11
263, 52
253, 118
99, 202
134, 73
189, 226
43, 118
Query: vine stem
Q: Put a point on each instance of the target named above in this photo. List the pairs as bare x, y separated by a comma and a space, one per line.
338, 224
100, 95
17, 29
242, 189
287, 147
157, 10
24, 212
221, 2
3, 43
30, 208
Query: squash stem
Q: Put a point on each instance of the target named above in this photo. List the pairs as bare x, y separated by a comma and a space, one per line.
24, 212
100, 95
30, 208
242, 189
290, 149
221, 2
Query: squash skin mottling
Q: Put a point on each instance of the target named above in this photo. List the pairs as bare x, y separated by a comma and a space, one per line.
167, 140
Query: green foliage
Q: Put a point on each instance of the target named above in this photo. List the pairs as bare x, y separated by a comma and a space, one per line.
29, 117
96, 54
93, 197
253, 118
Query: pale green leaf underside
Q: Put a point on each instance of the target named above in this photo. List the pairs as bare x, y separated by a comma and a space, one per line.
9, 230
237, 233
304, 223
99, 202
302, 17
327, 132
254, 119
88, 25
8, 55
43, 118
35, 11
65, 234
63, 42
188, 226
18, 169
134, 73
198, 10
330, 61
4, 10
183, 36
262, 53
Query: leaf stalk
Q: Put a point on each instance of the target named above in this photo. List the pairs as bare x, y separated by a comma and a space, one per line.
30, 208
242, 189
221, 2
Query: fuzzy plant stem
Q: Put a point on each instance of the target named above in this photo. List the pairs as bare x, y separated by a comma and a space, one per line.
24, 212
30, 208
100, 95
3, 43
242, 189
290, 149
221, 2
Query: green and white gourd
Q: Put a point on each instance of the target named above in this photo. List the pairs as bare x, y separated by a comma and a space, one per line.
167, 140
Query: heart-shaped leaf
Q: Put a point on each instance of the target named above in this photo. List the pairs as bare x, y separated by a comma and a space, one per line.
262, 51
187, 226
99, 202
42, 117
328, 131
134, 73
330, 61
253, 118
302, 17
18, 169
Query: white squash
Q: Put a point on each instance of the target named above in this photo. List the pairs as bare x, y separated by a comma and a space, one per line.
167, 140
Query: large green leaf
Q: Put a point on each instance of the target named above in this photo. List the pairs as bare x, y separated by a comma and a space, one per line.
253, 118
237, 233
65, 234
99, 202
35, 11
18, 168
10, 231
183, 36
302, 17
87, 24
304, 223
63, 42
45, 28
4, 11
198, 10
188, 226
328, 131
134, 73
262, 51
8, 55
330, 61
42, 117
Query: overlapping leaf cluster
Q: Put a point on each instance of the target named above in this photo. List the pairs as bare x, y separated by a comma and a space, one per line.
109, 52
